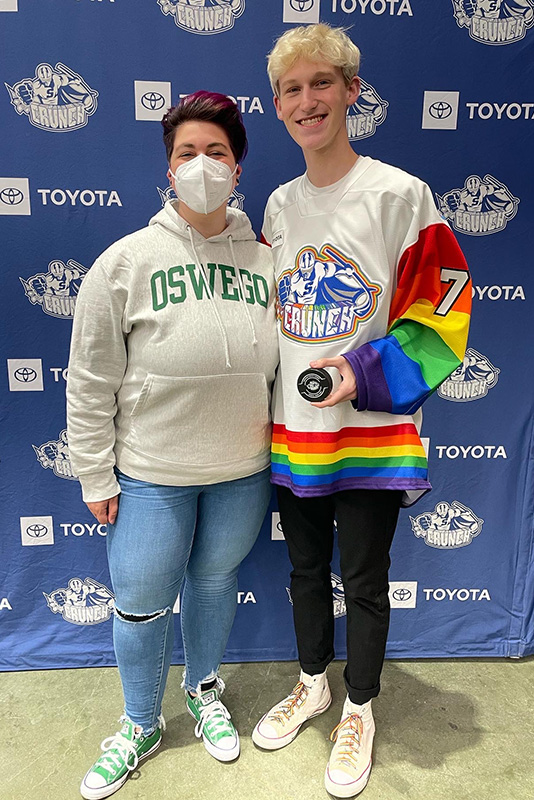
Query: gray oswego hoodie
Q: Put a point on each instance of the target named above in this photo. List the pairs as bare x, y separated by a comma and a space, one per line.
173, 355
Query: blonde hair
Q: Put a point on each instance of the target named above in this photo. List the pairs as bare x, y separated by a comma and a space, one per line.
318, 42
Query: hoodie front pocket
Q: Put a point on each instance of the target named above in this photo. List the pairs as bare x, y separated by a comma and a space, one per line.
201, 420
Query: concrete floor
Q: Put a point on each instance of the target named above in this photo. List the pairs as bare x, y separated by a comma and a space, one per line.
461, 730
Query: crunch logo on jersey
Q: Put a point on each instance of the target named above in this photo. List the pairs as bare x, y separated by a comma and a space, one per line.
324, 297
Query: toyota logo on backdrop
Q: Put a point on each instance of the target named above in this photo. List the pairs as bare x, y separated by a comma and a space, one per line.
25, 374
440, 110
153, 101
303, 12
301, 5
402, 595
36, 531
11, 196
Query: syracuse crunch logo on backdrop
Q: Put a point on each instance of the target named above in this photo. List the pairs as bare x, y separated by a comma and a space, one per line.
482, 206
472, 380
448, 527
203, 16
366, 113
56, 290
55, 455
325, 296
495, 21
85, 602
56, 99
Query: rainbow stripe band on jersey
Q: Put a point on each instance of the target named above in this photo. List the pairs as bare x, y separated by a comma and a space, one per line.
386, 457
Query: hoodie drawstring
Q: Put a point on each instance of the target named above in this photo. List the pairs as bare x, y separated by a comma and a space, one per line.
210, 295
240, 279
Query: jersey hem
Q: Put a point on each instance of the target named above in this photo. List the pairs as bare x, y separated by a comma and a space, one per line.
402, 484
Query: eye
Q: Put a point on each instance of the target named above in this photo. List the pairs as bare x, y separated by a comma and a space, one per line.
292, 90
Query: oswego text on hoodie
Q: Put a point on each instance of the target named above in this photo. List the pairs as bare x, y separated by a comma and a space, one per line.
173, 356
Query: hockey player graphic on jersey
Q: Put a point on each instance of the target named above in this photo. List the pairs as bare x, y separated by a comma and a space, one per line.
326, 296
327, 277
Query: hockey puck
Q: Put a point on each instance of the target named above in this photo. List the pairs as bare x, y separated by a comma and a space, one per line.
314, 385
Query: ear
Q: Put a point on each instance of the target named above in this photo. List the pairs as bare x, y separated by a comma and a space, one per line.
353, 90
170, 178
278, 107
238, 172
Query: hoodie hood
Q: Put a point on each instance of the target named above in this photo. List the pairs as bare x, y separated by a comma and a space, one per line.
239, 227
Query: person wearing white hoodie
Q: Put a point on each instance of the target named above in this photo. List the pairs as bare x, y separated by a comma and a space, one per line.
173, 355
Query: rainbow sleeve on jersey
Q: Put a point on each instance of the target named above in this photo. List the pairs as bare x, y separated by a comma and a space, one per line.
427, 331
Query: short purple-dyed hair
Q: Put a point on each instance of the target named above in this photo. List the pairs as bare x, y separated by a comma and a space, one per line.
207, 107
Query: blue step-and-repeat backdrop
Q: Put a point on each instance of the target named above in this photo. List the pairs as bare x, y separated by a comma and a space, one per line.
448, 94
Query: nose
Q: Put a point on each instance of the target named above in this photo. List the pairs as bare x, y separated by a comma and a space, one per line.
308, 101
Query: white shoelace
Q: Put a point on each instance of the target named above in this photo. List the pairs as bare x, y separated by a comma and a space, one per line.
111, 761
216, 715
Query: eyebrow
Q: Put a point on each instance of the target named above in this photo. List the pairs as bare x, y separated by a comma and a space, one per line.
315, 76
189, 144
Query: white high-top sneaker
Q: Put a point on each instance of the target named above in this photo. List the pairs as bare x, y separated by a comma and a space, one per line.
310, 697
349, 767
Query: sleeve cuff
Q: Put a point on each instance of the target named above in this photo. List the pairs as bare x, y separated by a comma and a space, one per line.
99, 486
360, 401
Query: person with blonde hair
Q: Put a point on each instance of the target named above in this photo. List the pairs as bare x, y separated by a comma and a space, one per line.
373, 287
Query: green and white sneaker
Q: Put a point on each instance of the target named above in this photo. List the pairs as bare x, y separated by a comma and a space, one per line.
214, 723
121, 755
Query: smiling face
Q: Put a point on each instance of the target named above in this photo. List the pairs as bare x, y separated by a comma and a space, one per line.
313, 101
196, 137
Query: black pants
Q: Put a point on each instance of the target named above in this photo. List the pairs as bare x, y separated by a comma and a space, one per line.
366, 521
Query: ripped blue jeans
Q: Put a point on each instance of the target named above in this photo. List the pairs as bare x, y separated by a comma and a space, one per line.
167, 539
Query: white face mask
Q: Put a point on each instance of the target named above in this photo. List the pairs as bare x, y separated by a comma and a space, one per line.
203, 183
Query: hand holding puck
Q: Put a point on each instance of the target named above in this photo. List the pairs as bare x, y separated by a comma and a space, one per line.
314, 384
